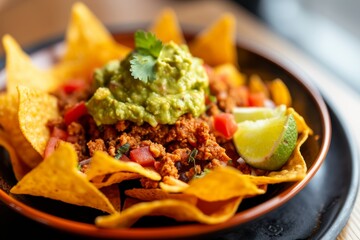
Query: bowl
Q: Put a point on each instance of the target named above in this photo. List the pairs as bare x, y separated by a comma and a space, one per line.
307, 101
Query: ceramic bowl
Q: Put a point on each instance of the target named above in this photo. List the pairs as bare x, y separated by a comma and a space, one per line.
307, 101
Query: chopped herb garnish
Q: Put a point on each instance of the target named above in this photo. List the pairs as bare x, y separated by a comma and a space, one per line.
212, 98
192, 156
147, 50
142, 67
122, 150
146, 43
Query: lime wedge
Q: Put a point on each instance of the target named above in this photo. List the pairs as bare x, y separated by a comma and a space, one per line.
266, 143
256, 113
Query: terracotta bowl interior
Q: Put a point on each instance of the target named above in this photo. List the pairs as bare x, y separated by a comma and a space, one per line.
252, 59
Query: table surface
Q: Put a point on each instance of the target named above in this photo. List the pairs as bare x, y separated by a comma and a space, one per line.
56, 13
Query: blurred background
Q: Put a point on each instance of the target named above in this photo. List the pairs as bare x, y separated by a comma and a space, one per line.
325, 30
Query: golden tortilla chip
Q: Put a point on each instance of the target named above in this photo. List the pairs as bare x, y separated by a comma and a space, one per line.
176, 209
129, 201
85, 33
9, 120
300, 122
166, 27
237, 185
102, 164
35, 110
21, 71
256, 84
109, 179
172, 185
113, 194
216, 44
158, 194
280, 92
58, 177
19, 168
233, 76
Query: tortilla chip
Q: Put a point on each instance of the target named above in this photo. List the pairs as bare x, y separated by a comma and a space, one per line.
237, 185
256, 85
129, 201
216, 44
35, 110
300, 122
233, 76
280, 92
109, 179
9, 120
21, 71
113, 194
158, 194
58, 178
172, 185
176, 209
102, 164
84, 34
166, 27
19, 168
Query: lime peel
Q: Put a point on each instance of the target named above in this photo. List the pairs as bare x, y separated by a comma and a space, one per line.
266, 143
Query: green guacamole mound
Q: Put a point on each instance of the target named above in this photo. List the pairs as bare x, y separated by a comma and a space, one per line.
179, 87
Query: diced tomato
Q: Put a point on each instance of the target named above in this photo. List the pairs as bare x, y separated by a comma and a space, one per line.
75, 112
50, 146
224, 124
74, 85
56, 135
257, 99
124, 158
142, 156
59, 133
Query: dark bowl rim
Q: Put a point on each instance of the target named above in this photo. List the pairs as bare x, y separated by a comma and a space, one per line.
192, 230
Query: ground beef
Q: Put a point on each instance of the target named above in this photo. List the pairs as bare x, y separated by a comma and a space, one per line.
167, 166
170, 145
148, 183
97, 145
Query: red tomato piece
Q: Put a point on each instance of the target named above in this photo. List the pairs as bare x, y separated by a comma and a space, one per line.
124, 158
257, 99
74, 85
142, 156
75, 112
50, 146
224, 124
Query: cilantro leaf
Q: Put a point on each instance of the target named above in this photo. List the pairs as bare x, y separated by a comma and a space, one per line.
146, 43
192, 156
143, 59
123, 149
142, 67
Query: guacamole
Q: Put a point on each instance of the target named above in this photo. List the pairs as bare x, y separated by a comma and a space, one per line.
178, 87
